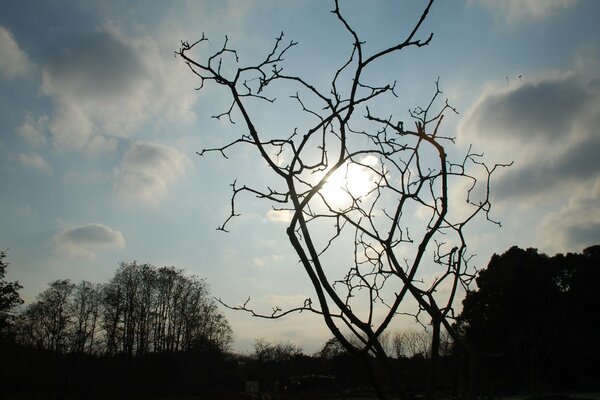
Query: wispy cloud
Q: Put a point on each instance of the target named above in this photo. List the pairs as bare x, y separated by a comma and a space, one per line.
14, 63
35, 161
32, 130
86, 240
515, 11
147, 171
107, 85
282, 216
576, 225
265, 261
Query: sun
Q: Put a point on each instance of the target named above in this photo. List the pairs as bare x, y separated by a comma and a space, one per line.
351, 180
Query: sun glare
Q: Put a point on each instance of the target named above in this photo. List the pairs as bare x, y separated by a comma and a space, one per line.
350, 180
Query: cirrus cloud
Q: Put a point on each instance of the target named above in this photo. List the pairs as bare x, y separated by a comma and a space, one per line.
85, 240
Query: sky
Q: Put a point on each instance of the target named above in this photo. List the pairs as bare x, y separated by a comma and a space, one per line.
100, 125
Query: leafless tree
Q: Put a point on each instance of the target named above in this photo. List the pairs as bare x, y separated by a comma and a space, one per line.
141, 309
85, 309
160, 309
398, 229
412, 343
46, 322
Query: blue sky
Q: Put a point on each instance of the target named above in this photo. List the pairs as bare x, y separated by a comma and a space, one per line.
99, 125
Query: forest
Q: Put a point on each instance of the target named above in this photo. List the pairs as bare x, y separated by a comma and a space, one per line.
529, 327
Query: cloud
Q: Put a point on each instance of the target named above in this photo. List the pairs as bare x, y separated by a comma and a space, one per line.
32, 130
147, 171
285, 301
282, 216
540, 110
262, 262
14, 63
34, 161
576, 225
85, 240
514, 11
549, 126
106, 85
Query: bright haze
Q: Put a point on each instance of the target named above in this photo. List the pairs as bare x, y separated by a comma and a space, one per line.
100, 124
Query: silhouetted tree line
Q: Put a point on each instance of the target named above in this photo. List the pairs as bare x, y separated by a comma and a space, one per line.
148, 332
530, 325
142, 309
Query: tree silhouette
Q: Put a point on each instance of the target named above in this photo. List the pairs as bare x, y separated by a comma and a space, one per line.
9, 296
534, 313
352, 181
142, 309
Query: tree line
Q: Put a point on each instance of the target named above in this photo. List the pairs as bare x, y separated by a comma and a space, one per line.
142, 309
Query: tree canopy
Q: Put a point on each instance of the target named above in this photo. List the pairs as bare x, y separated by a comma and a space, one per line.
142, 309
538, 315
9, 295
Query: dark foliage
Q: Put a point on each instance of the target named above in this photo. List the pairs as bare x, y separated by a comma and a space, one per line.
532, 322
9, 297
143, 309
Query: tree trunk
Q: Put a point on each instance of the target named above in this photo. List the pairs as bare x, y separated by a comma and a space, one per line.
435, 351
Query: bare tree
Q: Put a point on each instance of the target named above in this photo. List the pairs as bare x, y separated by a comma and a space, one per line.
412, 343
46, 323
85, 309
160, 309
352, 181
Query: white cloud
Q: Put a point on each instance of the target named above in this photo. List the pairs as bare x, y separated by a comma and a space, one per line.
32, 130
85, 240
282, 216
14, 63
515, 11
82, 177
107, 85
147, 171
576, 225
262, 262
34, 161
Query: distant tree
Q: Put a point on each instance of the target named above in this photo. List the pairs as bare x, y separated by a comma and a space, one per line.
85, 310
351, 177
160, 309
535, 312
275, 362
46, 322
9, 296
412, 343
331, 349
142, 309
